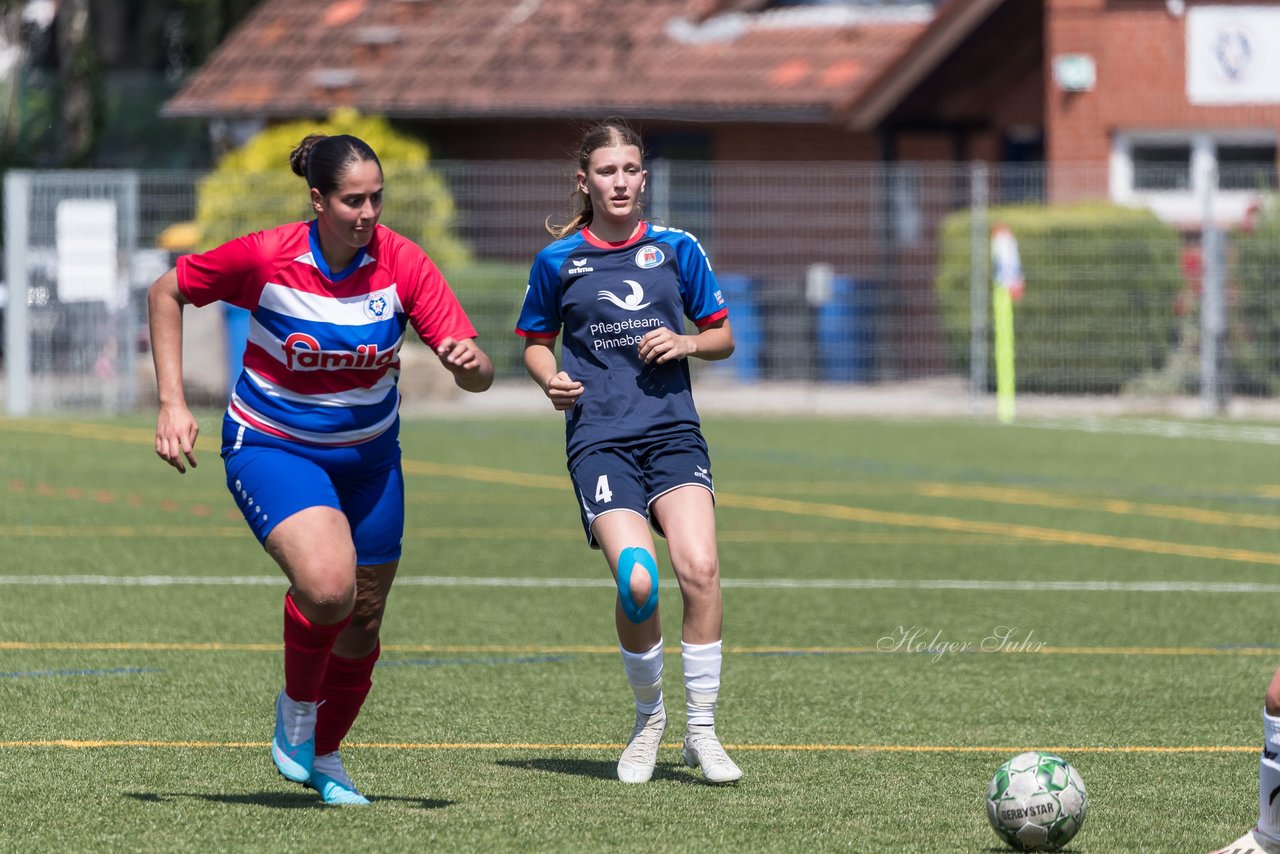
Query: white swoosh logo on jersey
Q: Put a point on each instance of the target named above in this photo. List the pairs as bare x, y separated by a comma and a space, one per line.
631, 302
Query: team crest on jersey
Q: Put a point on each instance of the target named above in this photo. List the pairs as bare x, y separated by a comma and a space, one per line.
633, 301
376, 307
648, 257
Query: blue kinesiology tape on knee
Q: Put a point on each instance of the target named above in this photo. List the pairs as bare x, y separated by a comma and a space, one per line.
626, 563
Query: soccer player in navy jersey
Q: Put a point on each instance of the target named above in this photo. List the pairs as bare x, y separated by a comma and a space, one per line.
310, 436
620, 289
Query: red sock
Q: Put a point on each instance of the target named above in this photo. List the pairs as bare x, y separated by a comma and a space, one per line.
306, 650
346, 683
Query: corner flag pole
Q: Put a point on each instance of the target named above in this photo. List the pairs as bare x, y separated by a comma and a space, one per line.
1007, 290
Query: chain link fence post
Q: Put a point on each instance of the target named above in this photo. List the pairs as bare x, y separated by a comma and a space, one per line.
17, 327
979, 283
1213, 320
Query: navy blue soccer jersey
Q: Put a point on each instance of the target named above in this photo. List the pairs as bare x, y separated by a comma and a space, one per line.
606, 297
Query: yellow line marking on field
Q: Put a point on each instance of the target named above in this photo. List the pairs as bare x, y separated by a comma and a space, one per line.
891, 538
552, 535
81, 430
139, 646
128, 531
1003, 529
592, 649
1115, 506
484, 474
842, 512
82, 744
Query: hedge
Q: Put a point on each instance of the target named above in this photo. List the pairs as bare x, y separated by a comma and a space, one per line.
1254, 307
1101, 287
253, 187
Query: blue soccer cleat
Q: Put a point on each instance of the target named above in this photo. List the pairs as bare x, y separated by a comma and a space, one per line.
294, 720
330, 779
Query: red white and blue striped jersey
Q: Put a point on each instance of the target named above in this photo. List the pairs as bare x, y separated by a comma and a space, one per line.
322, 359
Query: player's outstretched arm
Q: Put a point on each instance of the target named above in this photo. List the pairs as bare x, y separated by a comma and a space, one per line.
176, 427
713, 342
540, 362
471, 367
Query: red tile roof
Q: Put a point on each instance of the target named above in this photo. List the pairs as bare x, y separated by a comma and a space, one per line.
896, 79
530, 58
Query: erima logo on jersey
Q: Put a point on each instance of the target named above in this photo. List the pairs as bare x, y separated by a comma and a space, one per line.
648, 257
579, 266
632, 302
302, 353
376, 307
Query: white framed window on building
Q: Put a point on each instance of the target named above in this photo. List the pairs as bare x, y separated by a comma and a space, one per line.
1174, 172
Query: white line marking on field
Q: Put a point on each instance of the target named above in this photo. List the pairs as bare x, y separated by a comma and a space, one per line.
731, 583
1164, 429
82, 744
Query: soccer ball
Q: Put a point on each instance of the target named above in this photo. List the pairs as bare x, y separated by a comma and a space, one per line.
1036, 802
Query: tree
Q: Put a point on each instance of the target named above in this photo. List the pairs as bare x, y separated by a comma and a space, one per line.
254, 188
70, 71
77, 78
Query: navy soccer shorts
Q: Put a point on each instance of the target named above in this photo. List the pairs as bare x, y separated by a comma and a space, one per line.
271, 479
632, 477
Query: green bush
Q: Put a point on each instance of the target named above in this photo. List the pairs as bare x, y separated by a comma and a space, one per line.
1254, 307
1101, 287
253, 187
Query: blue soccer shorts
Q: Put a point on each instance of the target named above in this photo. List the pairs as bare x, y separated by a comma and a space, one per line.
632, 477
272, 478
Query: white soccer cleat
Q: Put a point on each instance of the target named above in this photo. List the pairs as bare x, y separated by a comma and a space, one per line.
1250, 843
702, 748
641, 753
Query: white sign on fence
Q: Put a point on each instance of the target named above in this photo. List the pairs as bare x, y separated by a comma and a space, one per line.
87, 245
1233, 55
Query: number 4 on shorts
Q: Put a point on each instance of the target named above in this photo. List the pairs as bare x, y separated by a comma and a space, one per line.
603, 493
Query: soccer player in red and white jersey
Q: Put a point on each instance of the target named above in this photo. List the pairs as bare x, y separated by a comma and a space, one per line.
620, 289
310, 437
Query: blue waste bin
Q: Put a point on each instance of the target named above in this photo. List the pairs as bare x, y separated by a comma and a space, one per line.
845, 332
742, 298
236, 324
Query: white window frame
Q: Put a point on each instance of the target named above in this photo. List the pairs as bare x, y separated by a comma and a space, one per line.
1186, 207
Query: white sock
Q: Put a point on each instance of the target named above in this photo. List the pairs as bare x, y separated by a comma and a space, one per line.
1269, 778
701, 663
644, 672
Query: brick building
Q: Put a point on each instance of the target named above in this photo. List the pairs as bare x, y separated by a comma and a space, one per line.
1102, 84
1137, 101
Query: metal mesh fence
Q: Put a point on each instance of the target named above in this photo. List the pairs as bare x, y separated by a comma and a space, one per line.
836, 274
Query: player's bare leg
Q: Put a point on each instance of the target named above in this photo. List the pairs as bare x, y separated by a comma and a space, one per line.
314, 549
624, 536
687, 518
347, 681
